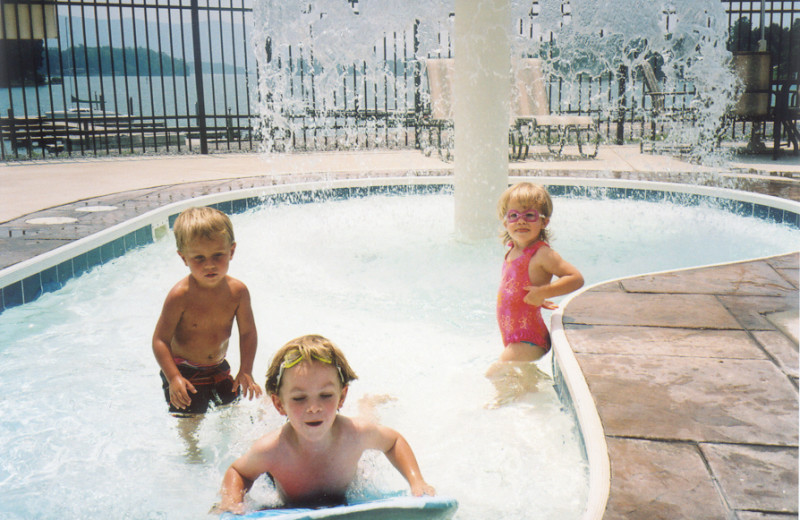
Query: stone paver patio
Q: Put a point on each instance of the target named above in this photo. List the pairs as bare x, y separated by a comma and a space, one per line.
696, 389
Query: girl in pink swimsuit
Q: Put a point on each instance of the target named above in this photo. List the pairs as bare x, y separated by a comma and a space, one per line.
529, 268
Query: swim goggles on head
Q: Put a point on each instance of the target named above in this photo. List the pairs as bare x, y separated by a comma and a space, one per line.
530, 215
294, 357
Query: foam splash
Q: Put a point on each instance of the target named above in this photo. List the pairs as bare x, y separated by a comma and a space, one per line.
684, 40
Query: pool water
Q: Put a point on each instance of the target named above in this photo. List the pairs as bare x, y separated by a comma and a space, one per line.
84, 431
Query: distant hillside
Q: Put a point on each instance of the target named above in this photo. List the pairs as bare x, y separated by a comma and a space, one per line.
173, 39
107, 60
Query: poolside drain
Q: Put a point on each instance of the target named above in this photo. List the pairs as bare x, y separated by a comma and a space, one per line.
49, 221
95, 209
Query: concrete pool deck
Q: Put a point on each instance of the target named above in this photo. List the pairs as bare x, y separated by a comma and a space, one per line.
694, 372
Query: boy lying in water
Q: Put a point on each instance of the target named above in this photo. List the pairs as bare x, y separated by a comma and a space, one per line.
313, 458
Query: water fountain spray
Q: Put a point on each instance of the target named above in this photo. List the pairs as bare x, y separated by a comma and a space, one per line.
307, 52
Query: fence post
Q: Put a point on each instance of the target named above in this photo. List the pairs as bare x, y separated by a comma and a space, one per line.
417, 85
198, 77
622, 103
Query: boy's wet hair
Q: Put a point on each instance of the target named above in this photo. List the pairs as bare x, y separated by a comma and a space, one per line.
526, 195
311, 347
201, 222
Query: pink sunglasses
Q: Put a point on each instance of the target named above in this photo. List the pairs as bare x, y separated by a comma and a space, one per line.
530, 215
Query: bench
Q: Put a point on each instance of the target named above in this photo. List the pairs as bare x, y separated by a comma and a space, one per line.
36, 132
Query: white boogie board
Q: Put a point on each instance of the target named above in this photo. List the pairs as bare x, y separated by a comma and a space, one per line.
394, 508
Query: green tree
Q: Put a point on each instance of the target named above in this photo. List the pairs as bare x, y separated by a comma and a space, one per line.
21, 62
114, 61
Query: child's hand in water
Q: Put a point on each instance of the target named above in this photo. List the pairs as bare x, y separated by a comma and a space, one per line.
249, 387
535, 297
179, 389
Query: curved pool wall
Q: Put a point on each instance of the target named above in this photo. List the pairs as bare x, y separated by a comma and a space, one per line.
27, 280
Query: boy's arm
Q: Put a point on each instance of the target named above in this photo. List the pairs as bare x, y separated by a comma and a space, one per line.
179, 387
248, 343
242, 473
568, 278
399, 453
234, 488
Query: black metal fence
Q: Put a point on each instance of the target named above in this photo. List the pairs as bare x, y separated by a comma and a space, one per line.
126, 77
116, 77
771, 29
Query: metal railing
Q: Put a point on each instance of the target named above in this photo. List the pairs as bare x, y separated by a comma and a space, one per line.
774, 28
125, 77
118, 77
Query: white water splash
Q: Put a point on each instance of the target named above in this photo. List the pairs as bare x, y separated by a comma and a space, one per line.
683, 39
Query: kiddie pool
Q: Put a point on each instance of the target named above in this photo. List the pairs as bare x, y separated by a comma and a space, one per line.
28, 280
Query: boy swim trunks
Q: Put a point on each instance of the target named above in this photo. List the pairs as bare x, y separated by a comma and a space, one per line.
212, 382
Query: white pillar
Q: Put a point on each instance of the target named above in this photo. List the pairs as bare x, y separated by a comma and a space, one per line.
481, 113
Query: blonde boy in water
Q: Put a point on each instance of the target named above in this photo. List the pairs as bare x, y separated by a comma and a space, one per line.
313, 458
532, 274
191, 337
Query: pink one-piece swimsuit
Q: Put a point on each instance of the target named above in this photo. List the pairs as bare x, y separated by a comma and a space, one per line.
520, 322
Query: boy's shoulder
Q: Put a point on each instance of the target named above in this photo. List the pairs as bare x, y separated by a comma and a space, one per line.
235, 284
271, 440
238, 289
359, 428
185, 285
181, 288
270, 445
350, 423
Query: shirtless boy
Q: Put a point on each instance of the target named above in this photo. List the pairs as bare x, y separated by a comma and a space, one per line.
313, 458
191, 337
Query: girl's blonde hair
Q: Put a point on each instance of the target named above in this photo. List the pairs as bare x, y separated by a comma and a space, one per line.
303, 349
205, 222
526, 195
